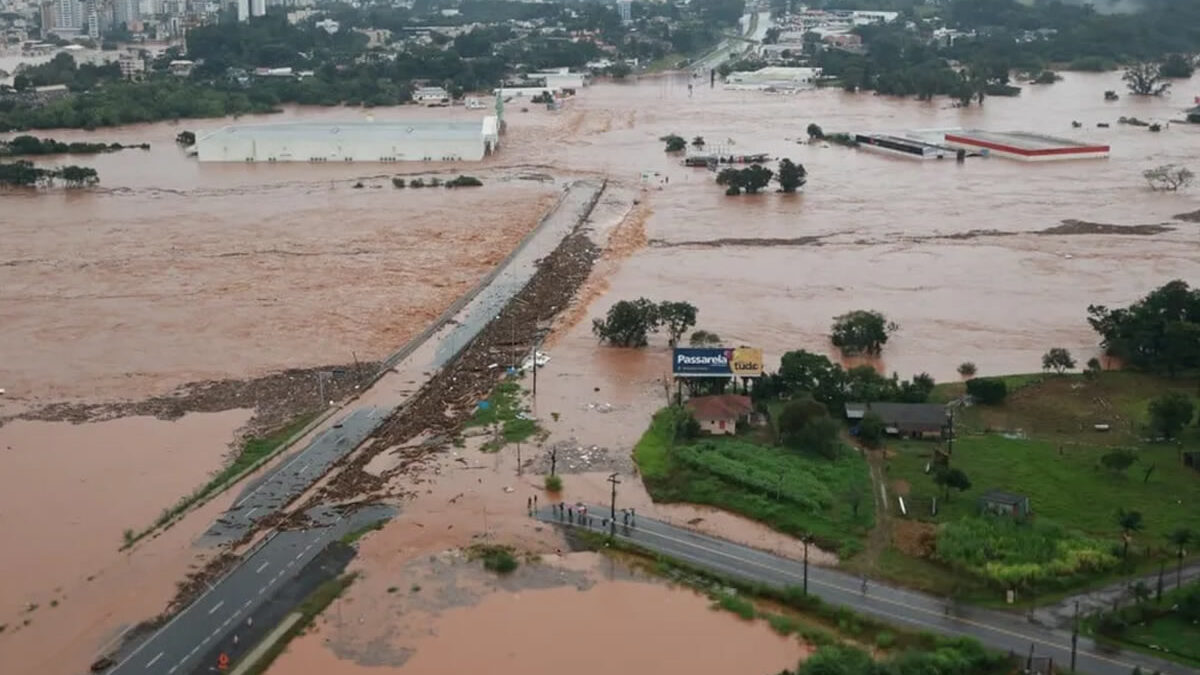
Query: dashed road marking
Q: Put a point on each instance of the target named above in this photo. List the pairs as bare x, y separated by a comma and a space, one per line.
262, 567
216, 607
154, 660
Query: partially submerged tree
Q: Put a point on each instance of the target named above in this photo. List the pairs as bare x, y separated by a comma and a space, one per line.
1158, 332
1058, 359
1177, 66
703, 338
698, 142
750, 179
1170, 413
1145, 79
677, 317
674, 142
815, 132
966, 369
628, 323
791, 175
1168, 177
861, 331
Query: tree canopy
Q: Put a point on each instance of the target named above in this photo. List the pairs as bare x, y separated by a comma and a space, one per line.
1170, 413
861, 332
1058, 359
1160, 332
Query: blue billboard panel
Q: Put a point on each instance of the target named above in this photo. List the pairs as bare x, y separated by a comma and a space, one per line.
716, 362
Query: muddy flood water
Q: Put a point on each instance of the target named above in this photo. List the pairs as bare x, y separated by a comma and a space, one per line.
172, 271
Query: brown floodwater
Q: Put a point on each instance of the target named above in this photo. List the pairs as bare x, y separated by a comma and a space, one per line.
173, 271
618, 626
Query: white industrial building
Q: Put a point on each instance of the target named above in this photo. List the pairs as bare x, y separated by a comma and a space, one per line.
352, 142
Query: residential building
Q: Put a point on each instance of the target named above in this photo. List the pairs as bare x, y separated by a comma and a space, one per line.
132, 65
911, 420
243, 10
625, 9
258, 7
126, 12
720, 414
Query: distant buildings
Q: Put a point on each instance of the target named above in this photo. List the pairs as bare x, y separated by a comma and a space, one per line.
625, 9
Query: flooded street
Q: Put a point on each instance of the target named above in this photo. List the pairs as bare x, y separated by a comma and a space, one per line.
172, 271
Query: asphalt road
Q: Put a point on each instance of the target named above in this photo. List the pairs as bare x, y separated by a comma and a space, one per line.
177, 647
998, 630
294, 475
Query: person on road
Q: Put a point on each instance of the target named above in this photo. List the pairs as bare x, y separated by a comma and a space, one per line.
529, 504
535, 502
864, 585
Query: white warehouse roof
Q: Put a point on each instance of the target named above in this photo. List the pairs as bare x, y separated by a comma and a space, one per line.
370, 141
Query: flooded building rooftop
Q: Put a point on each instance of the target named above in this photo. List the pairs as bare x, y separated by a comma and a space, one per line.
1025, 146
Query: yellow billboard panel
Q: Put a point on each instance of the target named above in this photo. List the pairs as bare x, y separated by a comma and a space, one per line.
747, 362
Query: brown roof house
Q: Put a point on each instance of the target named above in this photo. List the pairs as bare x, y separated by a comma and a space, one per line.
720, 414
912, 420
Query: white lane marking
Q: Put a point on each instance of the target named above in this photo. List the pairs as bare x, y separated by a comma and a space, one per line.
262, 590
300, 554
262, 567
173, 668
246, 604
251, 512
308, 547
206, 639
291, 562
154, 660
303, 468
216, 607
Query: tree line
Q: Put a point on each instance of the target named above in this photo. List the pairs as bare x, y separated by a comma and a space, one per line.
23, 173
32, 145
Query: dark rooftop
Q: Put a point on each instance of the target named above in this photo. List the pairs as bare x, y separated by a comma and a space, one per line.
912, 416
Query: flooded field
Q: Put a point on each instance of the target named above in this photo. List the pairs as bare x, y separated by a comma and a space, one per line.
566, 617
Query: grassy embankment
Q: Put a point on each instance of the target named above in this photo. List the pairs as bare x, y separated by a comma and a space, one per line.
1160, 628
1041, 442
309, 610
791, 491
506, 415
252, 451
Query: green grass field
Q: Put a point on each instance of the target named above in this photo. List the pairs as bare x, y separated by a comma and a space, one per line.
1042, 443
791, 491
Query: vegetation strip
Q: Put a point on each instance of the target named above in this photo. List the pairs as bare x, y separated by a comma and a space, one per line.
254, 453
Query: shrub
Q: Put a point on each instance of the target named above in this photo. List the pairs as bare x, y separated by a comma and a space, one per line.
397, 182
1008, 553
554, 483
498, 559
871, 430
736, 604
435, 182
464, 181
966, 369
885, 640
987, 390
416, 183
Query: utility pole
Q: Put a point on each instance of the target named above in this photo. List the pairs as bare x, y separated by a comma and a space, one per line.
805, 540
518, 458
553, 458
612, 513
1074, 636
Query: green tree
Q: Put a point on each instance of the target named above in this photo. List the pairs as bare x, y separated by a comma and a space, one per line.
1159, 332
1118, 459
21, 83
1179, 538
698, 142
1129, 522
861, 331
1177, 66
966, 369
674, 143
703, 338
619, 70
1170, 413
677, 317
802, 371
1059, 359
627, 323
804, 424
948, 477
1093, 369
815, 132
755, 177
987, 390
732, 179
871, 430
185, 138
791, 175
1145, 79
77, 176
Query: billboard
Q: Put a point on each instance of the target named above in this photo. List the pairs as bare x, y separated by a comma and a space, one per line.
717, 362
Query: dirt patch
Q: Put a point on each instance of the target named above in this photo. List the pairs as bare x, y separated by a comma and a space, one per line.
573, 457
741, 241
1072, 226
901, 487
275, 398
914, 538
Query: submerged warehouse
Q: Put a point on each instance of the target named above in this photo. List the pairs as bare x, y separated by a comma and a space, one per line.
358, 141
